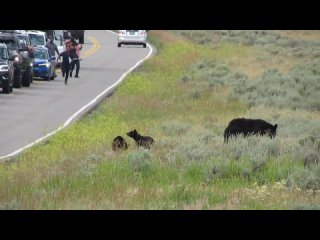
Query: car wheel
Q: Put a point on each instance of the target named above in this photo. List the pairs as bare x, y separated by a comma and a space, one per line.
11, 82
144, 45
17, 79
6, 86
26, 79
119, 44
49, 77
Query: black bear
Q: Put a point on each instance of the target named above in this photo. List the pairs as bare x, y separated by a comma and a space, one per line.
141, 141
248, 127
119, 143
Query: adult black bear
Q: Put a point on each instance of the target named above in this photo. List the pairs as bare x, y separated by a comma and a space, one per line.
119, 143
248, 127
141, 141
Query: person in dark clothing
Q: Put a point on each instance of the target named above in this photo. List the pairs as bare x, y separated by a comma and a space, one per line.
65, 63
76, 60
74, 57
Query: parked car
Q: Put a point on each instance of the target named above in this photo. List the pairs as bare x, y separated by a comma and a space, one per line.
6, 70
23, 66
132, 37
42, 63
64, 33
26, 43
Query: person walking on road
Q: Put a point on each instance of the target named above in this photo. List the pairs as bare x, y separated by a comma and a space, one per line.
68, 46
76, 60
65, 63
74, 51
52, 48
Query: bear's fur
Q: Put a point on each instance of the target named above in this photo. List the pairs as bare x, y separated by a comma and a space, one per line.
141, 141
248, 127
119, 143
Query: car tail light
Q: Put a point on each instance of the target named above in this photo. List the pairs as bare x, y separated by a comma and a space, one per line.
142, 33
121, 32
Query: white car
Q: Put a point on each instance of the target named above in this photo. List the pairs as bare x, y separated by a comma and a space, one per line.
37, 38
132, 37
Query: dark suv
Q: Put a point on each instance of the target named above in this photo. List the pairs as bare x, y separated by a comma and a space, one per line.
23, 64
6, 70
26, 42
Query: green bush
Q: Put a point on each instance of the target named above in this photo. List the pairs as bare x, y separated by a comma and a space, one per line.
305, 179
306, 207
140, 161
297, 90
172, 128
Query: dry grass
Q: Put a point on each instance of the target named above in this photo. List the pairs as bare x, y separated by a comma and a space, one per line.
254, 68
300, 34
167, 37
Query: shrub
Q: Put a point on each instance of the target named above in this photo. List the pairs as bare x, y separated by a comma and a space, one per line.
190, 151
172, 128
306, 207
298, 90
12, 205
305, 179
140, 161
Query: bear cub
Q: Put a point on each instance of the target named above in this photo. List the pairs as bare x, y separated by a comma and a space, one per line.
141, 141
119, 143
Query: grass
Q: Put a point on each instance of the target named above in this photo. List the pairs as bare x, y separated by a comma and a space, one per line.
184, 98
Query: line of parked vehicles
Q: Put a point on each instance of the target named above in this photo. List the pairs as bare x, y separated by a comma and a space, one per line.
23, 55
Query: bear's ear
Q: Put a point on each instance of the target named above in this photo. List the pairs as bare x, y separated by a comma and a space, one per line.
275, 126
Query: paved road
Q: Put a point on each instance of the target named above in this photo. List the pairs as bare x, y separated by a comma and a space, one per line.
31, 113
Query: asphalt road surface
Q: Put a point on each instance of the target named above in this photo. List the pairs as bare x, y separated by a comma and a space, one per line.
32, 113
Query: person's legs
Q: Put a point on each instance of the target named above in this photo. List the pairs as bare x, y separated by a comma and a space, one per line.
77, 68
66, 75
71, 67
53, 69
62, 70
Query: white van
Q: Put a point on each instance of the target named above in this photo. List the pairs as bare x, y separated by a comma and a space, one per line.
58, 40
37, 38
58, 32
64, 33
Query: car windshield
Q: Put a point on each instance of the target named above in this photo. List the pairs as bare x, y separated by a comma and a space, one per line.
25, 38
3, 54
132, 31
11, 44
58, 40
37, 39
41, 54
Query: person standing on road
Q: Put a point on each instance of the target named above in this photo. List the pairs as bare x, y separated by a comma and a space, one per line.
52, 48
68, 45
65, 63
76, 60
74, 57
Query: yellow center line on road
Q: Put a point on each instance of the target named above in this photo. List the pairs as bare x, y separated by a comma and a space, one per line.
96, 46
89, 52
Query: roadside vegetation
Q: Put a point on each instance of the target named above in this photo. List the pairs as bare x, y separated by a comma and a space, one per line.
184, 97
